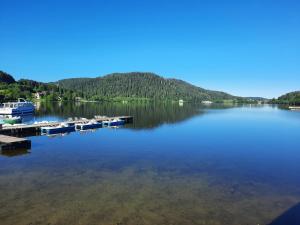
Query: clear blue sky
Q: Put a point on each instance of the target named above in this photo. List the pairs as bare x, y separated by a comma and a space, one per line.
247, 48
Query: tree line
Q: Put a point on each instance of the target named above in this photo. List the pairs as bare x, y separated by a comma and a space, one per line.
10, 90
140, 85
292, 98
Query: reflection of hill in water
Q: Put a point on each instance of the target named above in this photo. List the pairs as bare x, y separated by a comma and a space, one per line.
147, 115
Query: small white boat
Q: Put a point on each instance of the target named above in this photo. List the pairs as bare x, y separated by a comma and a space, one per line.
294, 107
207, 102
114, 122
92, 124
20, 107
61, 128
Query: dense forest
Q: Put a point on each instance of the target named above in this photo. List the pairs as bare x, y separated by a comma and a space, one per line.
141, 86
292, 98
11, 90
114, 87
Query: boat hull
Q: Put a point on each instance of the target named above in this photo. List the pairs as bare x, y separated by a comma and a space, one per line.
114, 123
57, 130
15, 111
88, 126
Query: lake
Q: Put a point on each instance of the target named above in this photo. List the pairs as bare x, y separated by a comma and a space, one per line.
190, 164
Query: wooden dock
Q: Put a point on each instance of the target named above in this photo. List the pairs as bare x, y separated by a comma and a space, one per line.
11, 143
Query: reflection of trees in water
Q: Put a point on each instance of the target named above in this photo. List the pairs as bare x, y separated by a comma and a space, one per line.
146, 115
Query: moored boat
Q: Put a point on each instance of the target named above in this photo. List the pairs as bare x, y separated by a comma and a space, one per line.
61, 128
114, 122
294, 107
12, 120
92, 124
20, 107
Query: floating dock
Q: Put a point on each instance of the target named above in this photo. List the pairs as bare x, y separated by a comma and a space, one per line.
12, 143
23, 130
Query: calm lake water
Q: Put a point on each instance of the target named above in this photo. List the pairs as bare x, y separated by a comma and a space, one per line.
190, 164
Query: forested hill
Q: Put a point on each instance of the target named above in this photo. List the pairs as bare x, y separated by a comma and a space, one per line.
141, 85
292, 98
6, 78
11, 90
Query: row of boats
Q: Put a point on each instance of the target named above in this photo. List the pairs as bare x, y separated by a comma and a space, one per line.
12, 113
70, 126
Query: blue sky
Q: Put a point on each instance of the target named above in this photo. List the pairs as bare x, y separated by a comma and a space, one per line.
246, 48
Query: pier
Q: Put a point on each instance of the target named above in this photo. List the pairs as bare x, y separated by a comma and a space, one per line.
12, 143
10, 136
35, 129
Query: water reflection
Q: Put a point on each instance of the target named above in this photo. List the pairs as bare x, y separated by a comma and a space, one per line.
209, 165
146, 115
27, 118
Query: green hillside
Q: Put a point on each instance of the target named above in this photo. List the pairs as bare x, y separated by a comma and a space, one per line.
11, 90
6, 78
113, 87
292, 98
141, 86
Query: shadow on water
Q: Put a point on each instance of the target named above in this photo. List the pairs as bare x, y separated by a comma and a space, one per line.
290, 217
146, 115
15, 152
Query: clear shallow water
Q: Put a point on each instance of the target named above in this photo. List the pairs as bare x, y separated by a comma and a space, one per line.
174, 165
